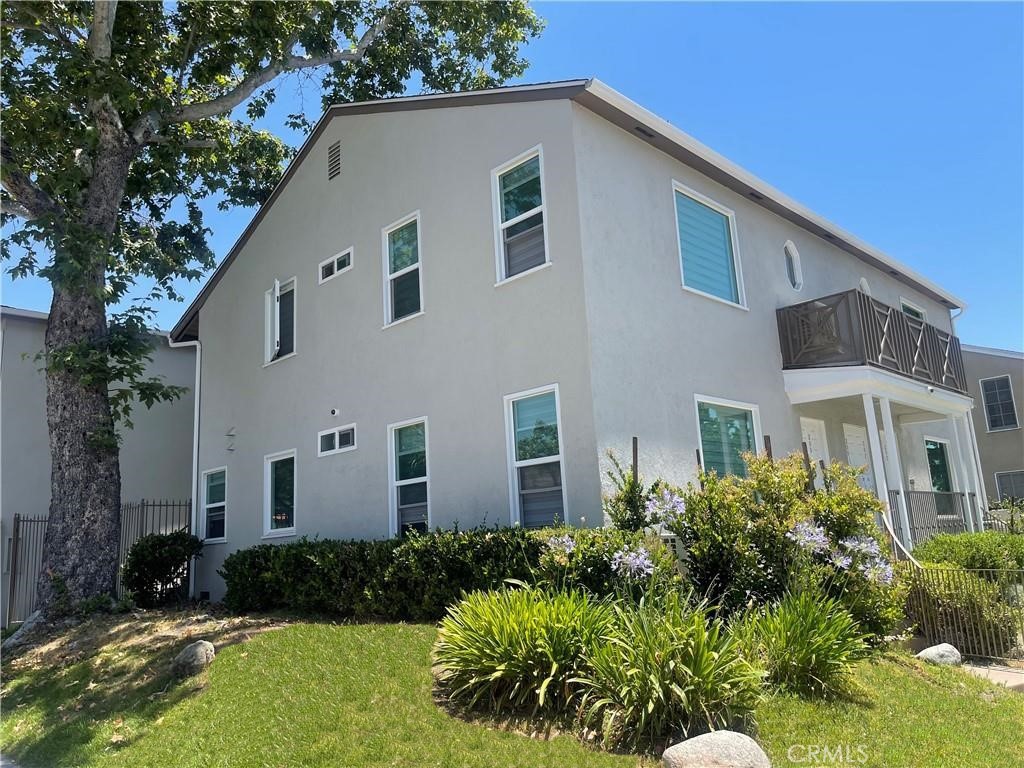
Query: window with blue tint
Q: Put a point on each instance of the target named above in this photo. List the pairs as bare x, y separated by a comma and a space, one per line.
706, 248
409, 485
536, 425
537, 461
215, 503
726, 433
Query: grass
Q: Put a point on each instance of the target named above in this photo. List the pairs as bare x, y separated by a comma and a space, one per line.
310, 694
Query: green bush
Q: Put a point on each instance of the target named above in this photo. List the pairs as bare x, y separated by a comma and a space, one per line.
807, 643
627, 508
664, 670
988, 550
518, 650
157, 566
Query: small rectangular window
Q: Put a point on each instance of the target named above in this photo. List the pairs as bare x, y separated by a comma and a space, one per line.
336, 440
335, 265
214, 503
410, 484
279, 494
912, 310
727, 431
1000, 409
519, 200
535, 457
403, 289
707, 247
1010, 484
280, 321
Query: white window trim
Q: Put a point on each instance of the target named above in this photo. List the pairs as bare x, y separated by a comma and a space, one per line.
709, 400
984, 405
789, 249
205, 505
500, 226
336, 430
515, 513
904, 302
273, 533
864, 286
678, 186
319, 267
271, 328
995, 476
394, 483
385, 263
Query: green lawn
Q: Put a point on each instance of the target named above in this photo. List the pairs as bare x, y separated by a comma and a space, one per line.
331, 695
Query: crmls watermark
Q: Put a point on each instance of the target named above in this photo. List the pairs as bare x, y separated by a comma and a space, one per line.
826, 754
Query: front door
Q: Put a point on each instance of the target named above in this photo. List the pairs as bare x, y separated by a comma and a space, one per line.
858, 454
812, 432
941, 475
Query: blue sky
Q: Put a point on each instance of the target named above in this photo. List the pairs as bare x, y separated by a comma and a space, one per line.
903, 123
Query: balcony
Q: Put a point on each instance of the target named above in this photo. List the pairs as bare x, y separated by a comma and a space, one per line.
852, 328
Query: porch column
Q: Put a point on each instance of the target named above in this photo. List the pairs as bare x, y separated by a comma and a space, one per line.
979, 476
966, 479
892, 447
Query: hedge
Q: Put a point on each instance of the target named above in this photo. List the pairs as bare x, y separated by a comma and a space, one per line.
989, 550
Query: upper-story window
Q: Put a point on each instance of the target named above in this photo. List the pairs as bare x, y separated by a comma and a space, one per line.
707, 247
403, 289
334, 266
519, 204
912, 310
280, 321
1000, 410
794, 269
864, 286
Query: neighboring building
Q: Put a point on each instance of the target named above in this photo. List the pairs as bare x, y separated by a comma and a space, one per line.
156, 455
995, 379
451, 305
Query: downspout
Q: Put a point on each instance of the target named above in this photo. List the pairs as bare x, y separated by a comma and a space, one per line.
197, 389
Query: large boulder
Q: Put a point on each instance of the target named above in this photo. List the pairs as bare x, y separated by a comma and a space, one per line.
718, 749
943, 653
193, 659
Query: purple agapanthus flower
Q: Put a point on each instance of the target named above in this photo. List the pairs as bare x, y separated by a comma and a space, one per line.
633, 563
861, 545
810, 536
878, 570
667, 507
565, 543
840, 559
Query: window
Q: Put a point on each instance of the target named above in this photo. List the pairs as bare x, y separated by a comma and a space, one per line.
335, 265
214, 503
336, 440
519, 205
707, 247
941, 475
280, 321
727, 431
533, 425
864, 286
1010, 484
410, 482
279, 494
912, 310
1000, 411
794, 270
403, 292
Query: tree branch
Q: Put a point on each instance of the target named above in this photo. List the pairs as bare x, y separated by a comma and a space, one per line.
24, 192
228, 101
102, 29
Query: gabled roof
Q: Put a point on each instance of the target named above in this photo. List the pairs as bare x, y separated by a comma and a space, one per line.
626, 114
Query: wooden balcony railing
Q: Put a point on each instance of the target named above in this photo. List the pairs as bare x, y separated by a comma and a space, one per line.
852, 328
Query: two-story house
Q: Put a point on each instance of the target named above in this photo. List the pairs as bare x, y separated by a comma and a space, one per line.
452, 304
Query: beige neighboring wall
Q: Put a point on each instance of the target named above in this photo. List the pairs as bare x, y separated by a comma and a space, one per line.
1001, 450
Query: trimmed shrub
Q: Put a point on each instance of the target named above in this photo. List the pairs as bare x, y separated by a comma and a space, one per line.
157, 566
806, 643
987, 550
627, 508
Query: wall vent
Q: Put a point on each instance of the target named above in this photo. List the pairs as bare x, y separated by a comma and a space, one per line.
334, 160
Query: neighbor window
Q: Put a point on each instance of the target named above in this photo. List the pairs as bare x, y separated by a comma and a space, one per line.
335, 265
535, 458
794, 270
336, 440
707, 247
520, 202
280, 321
403, 290
214, 503
410, 489
1010, 484
279, 493
727, 431
1000, 410
912, 310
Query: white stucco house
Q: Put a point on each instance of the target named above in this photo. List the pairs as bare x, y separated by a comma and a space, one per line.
452, 305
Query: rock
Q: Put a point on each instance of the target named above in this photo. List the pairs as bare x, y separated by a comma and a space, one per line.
718, 749
193, 659
943, 653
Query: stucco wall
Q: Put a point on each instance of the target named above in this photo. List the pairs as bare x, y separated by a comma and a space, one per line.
473, 344
1000, 451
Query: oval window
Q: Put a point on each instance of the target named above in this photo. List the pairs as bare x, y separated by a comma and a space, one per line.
794, 271
865, 287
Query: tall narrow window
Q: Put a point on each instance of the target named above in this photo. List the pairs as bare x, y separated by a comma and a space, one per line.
727, 431
214, 503
410, 490
535, 458
1000, 410
520, 204
279, 494
403, 290
794, 270
280, 321
707, 247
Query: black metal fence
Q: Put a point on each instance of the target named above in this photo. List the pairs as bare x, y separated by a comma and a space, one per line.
931, 513
141, 518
